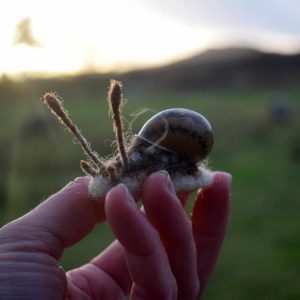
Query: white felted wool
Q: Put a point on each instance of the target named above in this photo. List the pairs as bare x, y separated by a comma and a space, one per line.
99, 185
205, 179
189, 183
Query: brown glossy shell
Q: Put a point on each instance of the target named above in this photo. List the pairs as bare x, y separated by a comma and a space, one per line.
180, 130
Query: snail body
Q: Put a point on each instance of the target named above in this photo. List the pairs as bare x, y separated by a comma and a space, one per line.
176, 140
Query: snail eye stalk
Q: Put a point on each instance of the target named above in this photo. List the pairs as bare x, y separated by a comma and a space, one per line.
56, 107
115, 102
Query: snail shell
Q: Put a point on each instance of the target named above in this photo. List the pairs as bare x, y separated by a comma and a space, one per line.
179, 130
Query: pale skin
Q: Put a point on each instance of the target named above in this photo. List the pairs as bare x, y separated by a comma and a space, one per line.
159, 253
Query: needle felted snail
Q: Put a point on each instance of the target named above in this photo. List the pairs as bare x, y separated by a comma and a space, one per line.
176, 140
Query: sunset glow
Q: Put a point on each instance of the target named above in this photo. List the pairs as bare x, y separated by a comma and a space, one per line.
104, 35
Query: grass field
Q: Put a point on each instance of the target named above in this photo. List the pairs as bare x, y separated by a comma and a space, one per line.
261, 254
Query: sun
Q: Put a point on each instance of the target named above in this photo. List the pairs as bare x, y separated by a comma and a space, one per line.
98, 35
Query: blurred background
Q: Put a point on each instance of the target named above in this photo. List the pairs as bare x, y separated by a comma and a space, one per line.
237, 62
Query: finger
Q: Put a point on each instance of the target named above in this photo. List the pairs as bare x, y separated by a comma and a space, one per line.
146, 258
57, 223
209, 221
183, 197
90, 282
165, 212
112, 261
105, 277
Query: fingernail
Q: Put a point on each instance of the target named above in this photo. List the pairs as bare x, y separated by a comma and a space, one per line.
226, 177
169, 182
121, 187
128, 197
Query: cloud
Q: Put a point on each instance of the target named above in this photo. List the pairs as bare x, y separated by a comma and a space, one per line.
280, 16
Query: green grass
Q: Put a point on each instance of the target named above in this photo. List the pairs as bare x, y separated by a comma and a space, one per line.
261, 253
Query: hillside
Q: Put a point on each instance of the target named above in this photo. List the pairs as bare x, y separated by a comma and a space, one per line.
230, 68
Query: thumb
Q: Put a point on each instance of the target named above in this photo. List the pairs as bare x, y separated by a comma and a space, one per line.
59, 222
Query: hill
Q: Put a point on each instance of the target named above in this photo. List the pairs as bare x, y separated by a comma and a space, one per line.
231, 68
219, 69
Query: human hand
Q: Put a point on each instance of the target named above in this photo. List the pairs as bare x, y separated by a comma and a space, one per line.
166, 255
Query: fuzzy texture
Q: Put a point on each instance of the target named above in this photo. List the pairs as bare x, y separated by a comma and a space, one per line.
189, 183
115, 101
56, 106
100, 185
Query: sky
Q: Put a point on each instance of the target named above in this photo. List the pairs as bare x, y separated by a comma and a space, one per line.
65, 36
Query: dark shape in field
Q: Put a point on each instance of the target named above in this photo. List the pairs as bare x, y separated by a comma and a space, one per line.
280, 109
3, 196
295, 149
37, 126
